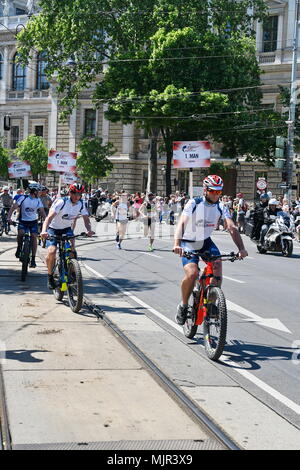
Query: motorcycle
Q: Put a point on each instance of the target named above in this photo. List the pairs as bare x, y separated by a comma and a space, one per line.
297, 228
103, 210
279, 237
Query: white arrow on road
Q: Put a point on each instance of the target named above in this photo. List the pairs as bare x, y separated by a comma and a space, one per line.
269, 322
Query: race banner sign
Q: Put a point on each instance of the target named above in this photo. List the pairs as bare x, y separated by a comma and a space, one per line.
62, 161
19, 169
69, 178
193, 154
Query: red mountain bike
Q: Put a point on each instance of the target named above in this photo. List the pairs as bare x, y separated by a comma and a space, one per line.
208, 307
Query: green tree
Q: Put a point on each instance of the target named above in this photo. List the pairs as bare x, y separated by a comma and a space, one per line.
174, 67
4, 160
34, 150
93, 162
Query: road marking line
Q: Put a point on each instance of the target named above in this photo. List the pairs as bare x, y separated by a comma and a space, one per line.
252, 378
235, 280
149, 254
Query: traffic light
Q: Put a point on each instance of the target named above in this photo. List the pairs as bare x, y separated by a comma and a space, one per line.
7, 123
280, 152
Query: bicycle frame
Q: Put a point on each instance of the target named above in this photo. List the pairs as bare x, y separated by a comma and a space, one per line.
204, 280
64, 248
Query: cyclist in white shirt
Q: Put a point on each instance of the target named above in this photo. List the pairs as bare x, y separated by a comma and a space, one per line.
197, 222
29, 207
63, 213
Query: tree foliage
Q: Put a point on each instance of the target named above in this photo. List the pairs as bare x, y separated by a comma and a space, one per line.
93, 162
4, 160
184, 69
34, 150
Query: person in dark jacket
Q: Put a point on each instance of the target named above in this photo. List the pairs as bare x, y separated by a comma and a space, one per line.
268, 217
258, 217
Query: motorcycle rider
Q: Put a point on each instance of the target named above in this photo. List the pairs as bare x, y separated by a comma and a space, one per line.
258, 216
269, 213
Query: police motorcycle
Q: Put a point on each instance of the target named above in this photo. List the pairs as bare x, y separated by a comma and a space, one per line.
103, 211
279, 237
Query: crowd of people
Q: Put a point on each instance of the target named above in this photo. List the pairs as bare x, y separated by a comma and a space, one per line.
121, 206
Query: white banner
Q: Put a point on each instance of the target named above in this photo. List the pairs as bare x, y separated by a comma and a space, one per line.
62, 161
192, 154
19, 170
68, 178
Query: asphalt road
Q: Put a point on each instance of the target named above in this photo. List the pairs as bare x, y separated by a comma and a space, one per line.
263, 343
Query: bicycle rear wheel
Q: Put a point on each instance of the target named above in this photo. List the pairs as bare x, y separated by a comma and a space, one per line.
75, 286
215, 323
25, 255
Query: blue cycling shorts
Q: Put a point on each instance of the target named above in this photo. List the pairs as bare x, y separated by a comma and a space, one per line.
208, 246
31, 226
54, 231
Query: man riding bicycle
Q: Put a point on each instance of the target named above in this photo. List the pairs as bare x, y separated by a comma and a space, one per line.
63, 213
6, 201
199, 218
29, 206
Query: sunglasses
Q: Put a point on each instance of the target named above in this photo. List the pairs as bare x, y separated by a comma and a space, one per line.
215, 191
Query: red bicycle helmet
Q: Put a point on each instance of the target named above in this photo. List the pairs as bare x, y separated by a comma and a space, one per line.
76, 188
213, 182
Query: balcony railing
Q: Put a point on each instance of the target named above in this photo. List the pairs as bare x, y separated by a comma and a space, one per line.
266, 57
26, 94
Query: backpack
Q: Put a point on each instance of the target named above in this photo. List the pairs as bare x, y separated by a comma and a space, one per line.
65, 200
200, 199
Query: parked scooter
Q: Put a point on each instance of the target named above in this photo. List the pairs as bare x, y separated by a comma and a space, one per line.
279, 237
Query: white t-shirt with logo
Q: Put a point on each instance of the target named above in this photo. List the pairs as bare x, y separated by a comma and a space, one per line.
66, 212
29, 208
202, 220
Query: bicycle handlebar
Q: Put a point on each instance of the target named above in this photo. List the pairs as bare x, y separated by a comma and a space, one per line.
66, 236
207, 257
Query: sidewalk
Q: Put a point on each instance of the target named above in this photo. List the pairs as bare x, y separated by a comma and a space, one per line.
68, 379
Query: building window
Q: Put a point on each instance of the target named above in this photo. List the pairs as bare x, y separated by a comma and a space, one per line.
39, 131
90, 122
19, 75
20, 11
270, 31
14, 136
41, 78
145, 181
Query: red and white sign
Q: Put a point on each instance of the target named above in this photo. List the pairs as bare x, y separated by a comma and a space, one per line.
261, 184
62, 161
69, 178
192, 154
19, 169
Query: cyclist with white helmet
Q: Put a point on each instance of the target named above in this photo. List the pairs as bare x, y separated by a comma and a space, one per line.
199, 218
29, 206
63, 212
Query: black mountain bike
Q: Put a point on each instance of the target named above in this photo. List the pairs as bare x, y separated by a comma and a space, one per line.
67, 273
25, 254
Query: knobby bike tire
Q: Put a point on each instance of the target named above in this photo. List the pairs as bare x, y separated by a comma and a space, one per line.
215, 327
25, 258
75, 286
189, 327
58, 294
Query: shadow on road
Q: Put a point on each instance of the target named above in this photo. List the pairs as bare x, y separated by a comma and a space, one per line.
22, 355
252, 354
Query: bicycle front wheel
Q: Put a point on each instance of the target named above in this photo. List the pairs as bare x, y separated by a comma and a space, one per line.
25, 255
75, 286
57, 292
215, 323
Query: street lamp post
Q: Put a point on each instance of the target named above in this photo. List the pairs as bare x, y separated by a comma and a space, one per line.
292, 109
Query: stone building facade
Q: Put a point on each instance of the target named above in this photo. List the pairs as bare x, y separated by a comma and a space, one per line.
32, 104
